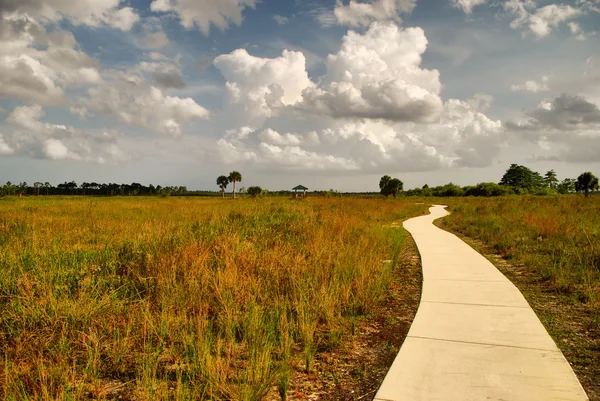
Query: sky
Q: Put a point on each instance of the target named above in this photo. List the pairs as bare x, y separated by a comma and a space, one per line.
324, 93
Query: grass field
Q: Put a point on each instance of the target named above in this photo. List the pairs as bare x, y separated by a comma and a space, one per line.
150, 298
549, 247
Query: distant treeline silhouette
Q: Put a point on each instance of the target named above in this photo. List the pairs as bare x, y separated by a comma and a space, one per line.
517, 180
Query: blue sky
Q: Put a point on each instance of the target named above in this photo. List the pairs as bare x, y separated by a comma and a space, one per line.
332, 94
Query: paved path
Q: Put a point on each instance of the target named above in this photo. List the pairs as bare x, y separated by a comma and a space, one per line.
474, 336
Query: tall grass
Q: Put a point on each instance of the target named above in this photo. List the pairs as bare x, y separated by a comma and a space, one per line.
557, 237
153, 299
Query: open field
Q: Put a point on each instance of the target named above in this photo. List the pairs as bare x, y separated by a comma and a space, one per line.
152, 298
549, 247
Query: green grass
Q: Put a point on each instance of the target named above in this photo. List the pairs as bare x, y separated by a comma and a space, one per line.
151, 298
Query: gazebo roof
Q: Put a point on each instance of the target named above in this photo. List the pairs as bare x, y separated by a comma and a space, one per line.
300, 188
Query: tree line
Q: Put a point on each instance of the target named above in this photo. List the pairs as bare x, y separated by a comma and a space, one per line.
517, 180
91, 188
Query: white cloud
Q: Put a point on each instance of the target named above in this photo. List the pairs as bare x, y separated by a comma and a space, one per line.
54, 149
123, 18
467, 5
4, 148
376, 110
462, 137
204, 13
578, 32
358, 14
533, 86
156, 40
257, 85
23, 77
148, 108
272, 137
539, 21
82, 12
37, 66
377, 75
280, 19
27, 135
567, 128
157, 56
589, 5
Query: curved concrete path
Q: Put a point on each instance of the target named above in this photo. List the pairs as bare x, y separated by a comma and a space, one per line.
474, 337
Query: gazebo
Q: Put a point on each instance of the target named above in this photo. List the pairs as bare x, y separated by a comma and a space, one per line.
300, 188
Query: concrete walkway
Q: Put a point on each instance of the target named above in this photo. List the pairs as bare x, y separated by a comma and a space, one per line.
474, 337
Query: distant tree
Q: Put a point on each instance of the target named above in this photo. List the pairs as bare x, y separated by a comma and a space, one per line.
47, 186
222, 182
586, 182
234, 177
383, 182
487, 189
10, 188
449, 189
567, 186
551, 180
254, 191
522, 177
37, 186
390, 186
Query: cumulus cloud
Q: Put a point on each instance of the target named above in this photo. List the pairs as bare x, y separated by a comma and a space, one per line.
138, 105
533, 86
359, 14
204, 13
37, 65
568, 126
82, 12
463, 136
377, 75
467, 5
27, 134
375, 107
258, 85
539, 21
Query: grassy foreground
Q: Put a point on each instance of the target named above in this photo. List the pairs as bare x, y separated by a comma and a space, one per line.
152, 299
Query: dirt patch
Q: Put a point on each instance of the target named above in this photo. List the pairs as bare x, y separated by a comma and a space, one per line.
356, 369
574, 326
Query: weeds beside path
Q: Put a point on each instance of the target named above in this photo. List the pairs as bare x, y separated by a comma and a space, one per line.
548, 247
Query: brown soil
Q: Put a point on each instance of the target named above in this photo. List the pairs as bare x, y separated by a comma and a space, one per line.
357, 368
573, 325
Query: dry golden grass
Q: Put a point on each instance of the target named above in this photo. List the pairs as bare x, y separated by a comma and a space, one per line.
151, 299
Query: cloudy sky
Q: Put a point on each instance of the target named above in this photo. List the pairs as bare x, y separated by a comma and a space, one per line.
330, 94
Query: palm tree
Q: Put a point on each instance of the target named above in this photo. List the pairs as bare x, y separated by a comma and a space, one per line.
222, 182
234, 177
586, 182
